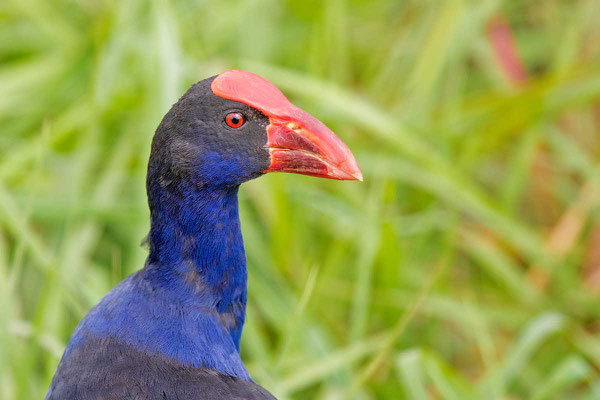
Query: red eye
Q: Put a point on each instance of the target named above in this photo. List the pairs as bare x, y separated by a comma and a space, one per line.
235, 119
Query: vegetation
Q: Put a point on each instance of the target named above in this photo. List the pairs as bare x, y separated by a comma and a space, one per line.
465, 266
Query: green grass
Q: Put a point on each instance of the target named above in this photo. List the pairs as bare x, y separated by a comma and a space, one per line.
466, 264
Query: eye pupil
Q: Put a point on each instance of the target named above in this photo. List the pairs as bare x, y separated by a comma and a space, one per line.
234, 120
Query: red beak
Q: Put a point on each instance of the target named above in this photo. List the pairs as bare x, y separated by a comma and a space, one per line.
297, 141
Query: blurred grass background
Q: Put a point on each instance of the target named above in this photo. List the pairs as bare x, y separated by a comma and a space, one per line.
465, 266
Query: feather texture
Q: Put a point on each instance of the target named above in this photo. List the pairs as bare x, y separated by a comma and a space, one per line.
105, 369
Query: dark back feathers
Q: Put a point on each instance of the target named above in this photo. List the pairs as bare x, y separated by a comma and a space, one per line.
103, 369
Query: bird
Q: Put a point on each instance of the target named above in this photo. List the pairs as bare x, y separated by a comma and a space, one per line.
172, 329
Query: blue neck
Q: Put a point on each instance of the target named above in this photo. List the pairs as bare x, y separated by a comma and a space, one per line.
197, 251
189, 302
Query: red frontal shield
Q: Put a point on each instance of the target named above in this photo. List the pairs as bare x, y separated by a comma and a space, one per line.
298, 142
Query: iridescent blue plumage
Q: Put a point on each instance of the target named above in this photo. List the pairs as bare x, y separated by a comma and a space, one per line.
188, 302
187, 305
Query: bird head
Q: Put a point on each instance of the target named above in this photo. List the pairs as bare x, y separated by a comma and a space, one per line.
237, 126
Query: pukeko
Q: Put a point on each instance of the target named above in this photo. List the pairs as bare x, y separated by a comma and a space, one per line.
172, 330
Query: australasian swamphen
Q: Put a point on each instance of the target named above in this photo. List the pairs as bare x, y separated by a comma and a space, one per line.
172, 330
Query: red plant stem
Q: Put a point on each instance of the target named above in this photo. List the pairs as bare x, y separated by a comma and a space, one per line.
506, 51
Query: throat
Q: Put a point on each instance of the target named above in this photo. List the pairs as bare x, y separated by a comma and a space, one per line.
197, 252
